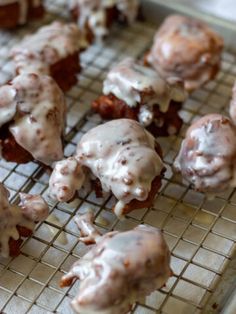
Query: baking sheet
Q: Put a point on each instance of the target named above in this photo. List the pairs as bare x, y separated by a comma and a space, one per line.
200, 233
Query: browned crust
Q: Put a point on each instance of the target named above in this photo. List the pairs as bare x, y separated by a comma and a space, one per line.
11, 150
110, 107
9, 14
134, 204
14, 245
65, 71
66, 282
35, 13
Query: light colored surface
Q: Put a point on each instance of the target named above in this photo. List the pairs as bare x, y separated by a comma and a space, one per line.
225, 9
201, 234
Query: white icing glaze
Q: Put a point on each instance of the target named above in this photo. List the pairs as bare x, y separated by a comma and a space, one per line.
187, 48
145, 115
67, 177
121, 154
35, 106
207, 156
93, 13
139, 85
51, 43
12, 216
24, 4
120, 269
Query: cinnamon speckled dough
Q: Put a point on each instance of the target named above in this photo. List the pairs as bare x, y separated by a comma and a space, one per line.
207, 158
18, 221
95, 17
53, 50
134, 91
18, 12
122, 156
186, 48
122, 268
32, 119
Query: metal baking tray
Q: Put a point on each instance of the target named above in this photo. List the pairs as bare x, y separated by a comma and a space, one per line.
201, 233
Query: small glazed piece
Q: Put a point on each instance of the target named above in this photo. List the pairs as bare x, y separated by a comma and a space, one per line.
95, 17
32, 119
122, 268
53, 50
18, 12
17, 221
207, 158
136, 92
186, 48
119, 157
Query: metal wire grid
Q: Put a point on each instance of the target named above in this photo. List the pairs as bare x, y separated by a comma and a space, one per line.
200, 233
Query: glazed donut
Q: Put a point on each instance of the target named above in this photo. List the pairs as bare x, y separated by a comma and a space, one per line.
18, 221
120, 157
18, 12
122, 268
136, 92
207, 157
186, 48
53, 50
32, 119
95, 17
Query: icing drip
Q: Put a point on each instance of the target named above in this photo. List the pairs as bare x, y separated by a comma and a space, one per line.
139, 85
121, 154
51, 43
13, 216
67, 177
208, 154
35, 107
119, 270
94, 13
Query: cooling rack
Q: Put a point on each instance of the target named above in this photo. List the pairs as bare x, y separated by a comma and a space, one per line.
201, 233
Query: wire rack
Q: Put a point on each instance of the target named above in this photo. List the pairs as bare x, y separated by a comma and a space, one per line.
201, 234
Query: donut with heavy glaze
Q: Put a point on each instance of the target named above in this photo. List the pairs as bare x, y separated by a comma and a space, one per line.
207, 157
119, 157
134, 91
120, 269
95, 17
186, 48
32, 119
53, 50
